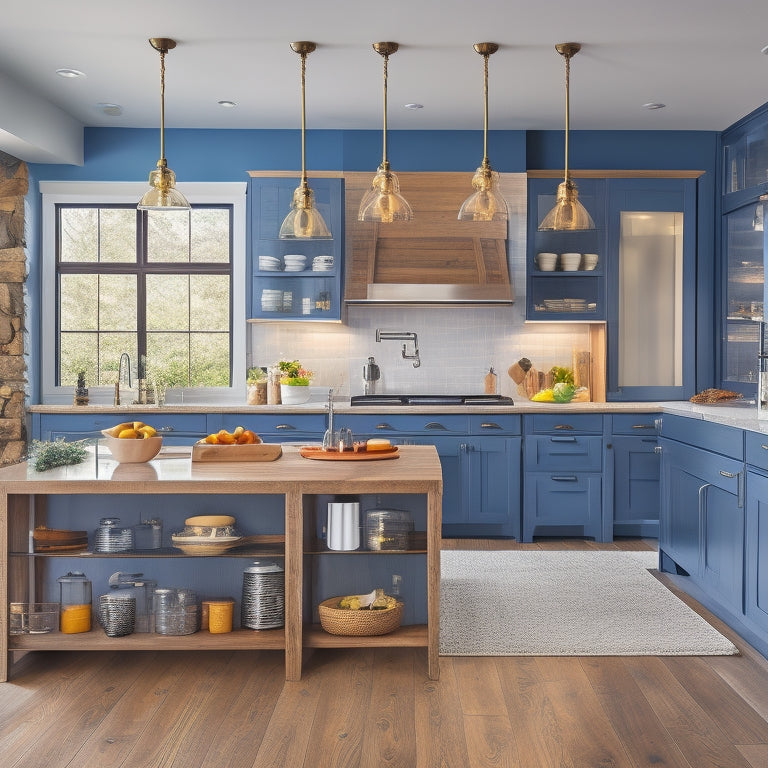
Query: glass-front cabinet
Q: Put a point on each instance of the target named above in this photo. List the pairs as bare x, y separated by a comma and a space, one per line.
295, 279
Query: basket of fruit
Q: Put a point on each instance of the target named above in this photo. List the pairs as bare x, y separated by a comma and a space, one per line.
352, 616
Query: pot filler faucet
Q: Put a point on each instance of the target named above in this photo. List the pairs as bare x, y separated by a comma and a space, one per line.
402, 336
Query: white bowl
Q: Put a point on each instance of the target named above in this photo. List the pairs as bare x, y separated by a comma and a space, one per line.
132, 450
546, 262
590, 261
570, 262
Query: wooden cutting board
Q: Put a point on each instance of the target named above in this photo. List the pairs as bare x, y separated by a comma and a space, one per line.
251, 452
316, 452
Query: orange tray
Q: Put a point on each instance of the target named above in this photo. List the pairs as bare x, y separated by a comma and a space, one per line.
316, 452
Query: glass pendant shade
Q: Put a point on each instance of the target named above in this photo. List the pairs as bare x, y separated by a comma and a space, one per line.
568, 213
486, 203
303, 220
383, 202
162, 192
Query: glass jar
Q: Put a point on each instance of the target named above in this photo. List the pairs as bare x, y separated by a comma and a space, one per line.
75, 603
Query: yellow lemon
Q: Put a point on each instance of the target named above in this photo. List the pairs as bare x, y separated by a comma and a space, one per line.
128, 433
147, 431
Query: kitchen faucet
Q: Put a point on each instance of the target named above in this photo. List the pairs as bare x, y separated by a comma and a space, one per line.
127, 358
402, 336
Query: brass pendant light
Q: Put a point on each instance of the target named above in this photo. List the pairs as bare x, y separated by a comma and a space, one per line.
304, 220
486, 203
383, 201
568, 214
162, 181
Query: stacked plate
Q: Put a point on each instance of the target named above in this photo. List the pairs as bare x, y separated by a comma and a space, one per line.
295, 262
269, 264
322, 264
271, 300
263, 603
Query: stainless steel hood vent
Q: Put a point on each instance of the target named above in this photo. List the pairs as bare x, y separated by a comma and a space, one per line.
435, 259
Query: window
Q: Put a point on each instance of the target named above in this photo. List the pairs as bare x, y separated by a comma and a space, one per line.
165, 287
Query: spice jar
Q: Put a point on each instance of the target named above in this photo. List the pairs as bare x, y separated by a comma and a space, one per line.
75, 603
273, 386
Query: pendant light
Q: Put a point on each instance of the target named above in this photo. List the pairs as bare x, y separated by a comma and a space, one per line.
162, 181
383, 201
304, 220
568, 214
486, 203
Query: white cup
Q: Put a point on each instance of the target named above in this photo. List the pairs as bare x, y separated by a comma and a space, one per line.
569, 262
590, 261
546, 262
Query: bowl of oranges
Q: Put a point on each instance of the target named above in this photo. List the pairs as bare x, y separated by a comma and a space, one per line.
132, 442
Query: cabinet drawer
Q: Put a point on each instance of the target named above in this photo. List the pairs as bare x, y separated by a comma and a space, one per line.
756, 447
288, 424
170, 425
387, 424
492, 424
634, 423
566, 422
728, 441
563, 453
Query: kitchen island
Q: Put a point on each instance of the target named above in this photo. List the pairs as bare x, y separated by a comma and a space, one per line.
299, 485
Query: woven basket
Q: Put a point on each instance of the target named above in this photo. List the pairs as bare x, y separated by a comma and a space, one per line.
342, 621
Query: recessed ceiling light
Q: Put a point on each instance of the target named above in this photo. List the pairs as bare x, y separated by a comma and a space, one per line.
413, 105
67, 72
113, 110
654, 105
226, 103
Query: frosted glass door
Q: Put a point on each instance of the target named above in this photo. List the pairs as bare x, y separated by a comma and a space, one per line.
650, 299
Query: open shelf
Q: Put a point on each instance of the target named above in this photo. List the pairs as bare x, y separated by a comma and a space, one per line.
411, 636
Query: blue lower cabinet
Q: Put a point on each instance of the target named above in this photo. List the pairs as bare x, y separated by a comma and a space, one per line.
702, 519
176, 428
273, 427
562, 503
635, 486
756, 566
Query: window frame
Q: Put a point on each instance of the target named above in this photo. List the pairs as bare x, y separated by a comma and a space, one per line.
55, 193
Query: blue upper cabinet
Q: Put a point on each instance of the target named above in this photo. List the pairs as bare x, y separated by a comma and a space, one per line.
745, 160
295, 279
651, 288
571, 288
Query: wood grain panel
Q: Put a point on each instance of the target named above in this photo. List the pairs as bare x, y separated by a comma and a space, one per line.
490, 742
480, 690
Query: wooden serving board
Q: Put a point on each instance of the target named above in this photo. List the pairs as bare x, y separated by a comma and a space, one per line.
316, 452
202, 451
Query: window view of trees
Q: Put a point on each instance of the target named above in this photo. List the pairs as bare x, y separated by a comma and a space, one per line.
154, 284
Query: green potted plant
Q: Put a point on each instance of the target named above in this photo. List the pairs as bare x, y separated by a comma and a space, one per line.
294, 382
256, 381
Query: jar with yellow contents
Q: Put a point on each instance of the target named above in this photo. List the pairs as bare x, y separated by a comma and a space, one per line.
75, 602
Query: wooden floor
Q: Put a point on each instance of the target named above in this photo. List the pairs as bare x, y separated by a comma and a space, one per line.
377, 708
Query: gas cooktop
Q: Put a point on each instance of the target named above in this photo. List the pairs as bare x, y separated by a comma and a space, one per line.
387, 399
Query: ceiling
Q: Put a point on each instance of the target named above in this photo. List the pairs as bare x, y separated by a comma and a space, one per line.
702, 58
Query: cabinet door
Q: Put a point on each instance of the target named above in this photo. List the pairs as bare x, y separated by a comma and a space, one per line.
756, 570
635, 486
285, 287
651, 289
491, 477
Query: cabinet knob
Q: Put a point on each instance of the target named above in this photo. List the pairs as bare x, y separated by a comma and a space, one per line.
657, 449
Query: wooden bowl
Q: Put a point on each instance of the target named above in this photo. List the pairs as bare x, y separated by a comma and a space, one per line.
132, 451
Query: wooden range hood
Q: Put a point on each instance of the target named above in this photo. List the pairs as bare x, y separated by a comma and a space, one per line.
435, 258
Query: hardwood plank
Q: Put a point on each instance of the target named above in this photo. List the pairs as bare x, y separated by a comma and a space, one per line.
642, 734
336, 738
479, 686
490, 742
390, 729
702, 741
724, 705
57, 739
248, 715
755, 754
437, 712
116, 735
587, 735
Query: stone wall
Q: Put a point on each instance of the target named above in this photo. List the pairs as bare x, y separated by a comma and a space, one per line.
14, 182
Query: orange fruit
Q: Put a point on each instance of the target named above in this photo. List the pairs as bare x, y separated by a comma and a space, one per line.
225, 438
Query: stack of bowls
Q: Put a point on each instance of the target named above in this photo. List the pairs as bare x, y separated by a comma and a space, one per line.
295, 262
546, 262
570, 262
323, 263
269, 264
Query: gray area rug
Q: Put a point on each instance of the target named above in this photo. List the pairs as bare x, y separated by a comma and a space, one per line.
525, 603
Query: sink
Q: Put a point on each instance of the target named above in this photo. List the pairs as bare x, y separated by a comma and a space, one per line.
398, 400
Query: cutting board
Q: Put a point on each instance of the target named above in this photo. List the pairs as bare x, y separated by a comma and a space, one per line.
202, 451
316, 452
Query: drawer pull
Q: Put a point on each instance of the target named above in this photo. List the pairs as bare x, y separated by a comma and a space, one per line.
643, 426
384, 425
564, 478
728, 474
563, 426
764, 446
562, 439
165, 429
434, 425
285, 426
489, 425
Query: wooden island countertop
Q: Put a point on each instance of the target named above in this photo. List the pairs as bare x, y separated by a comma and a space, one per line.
415, 471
